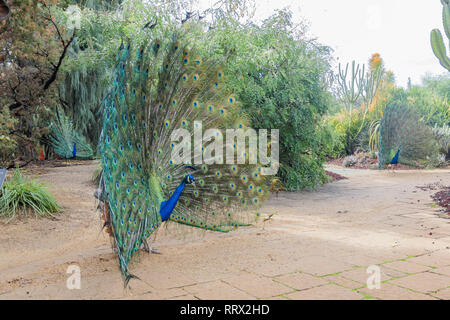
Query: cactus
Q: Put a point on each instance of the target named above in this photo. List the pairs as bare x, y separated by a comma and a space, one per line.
360, 88
437, 41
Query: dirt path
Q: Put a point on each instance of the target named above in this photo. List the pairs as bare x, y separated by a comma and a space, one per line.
316, 245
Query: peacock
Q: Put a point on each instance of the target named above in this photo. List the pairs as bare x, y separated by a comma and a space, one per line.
66, 141
404, 138
157, 88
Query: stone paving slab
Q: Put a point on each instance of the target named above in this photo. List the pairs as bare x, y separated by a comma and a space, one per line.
260, 287
300, 281
361, 260
327, 292
407, 267
391, 292
343, 282
423, 282
443, 294
217, 290
360, 275
442, 270
321, 266
435, 259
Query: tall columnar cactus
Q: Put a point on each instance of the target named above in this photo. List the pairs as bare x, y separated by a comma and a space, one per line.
437, 41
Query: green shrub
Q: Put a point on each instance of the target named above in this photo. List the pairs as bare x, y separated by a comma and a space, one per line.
331, 141
347, 127
8, 145
433, 108
279, 79
8, 148
21, 195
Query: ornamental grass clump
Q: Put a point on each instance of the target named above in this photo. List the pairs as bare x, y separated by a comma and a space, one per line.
23, 196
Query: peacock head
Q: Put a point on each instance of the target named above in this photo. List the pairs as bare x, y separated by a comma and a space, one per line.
189, 179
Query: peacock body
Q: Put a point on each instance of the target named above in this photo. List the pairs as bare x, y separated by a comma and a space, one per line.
156, 89
404, 138
66, 141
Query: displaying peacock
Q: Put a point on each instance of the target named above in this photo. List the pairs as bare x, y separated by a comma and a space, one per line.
156, 89
66, 141
404, 138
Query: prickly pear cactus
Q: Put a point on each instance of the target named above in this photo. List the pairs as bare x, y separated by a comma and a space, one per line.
437, 40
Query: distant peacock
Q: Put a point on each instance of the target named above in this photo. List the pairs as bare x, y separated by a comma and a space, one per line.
404, 138
156, 89
66, 141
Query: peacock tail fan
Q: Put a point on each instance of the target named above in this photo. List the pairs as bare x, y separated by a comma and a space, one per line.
157, 88
402, 129
66, 141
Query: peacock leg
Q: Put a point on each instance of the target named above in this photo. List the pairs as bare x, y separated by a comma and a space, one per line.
150, 249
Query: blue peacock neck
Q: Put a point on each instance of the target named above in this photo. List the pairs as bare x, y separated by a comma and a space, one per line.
167, 207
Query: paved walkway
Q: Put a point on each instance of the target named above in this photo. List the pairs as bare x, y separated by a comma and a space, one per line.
317, 245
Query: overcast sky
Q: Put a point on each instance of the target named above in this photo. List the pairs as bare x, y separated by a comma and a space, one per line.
397, 29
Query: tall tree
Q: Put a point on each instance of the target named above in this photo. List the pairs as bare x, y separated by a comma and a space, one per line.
33, 46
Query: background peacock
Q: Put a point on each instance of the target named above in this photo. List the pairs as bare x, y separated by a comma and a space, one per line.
404, 138
66, 141
161, 86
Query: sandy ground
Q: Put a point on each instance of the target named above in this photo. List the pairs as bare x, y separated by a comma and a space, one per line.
315, 245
